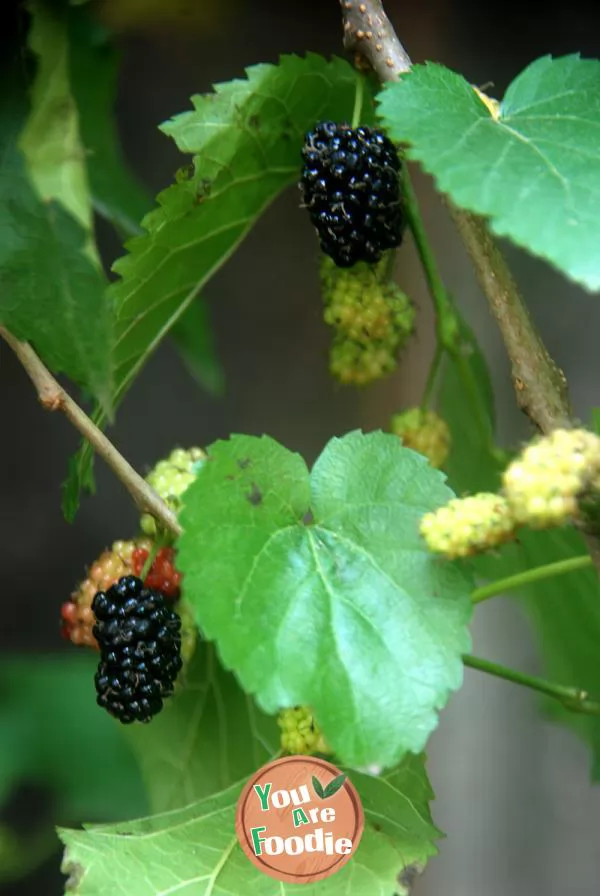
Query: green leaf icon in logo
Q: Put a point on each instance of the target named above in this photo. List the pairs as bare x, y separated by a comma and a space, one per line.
318, 787
334, 786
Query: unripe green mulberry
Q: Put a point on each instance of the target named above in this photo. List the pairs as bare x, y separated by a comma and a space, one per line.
544, 484
467, 526
353, 363
425, 432
170, 478
300, 734
372, 317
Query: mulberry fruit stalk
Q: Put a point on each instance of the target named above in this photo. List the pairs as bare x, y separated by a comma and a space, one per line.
140, 650
350, 186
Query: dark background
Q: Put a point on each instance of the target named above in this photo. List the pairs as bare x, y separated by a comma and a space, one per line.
512, 791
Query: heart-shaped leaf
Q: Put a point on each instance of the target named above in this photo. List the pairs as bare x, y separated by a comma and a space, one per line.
319, 590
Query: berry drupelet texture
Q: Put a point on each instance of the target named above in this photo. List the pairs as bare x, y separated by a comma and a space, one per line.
350, 187
300, 734
170, 478
425, 432
372, 319
140, 647
76, 613
124, 558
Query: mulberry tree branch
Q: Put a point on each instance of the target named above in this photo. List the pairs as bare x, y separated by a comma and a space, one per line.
540, 386
368, 33
54, 398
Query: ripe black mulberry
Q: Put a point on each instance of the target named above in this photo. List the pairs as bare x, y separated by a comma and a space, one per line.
140, 650
351, 189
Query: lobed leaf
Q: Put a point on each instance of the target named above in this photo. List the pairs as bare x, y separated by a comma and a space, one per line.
319, 590
534, 170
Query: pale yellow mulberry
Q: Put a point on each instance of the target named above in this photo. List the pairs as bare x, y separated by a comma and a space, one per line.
467, 526
544, 483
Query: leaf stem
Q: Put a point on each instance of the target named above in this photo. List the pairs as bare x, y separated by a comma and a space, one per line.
529, 576
434, 369
573, 699
447, 323
467, 377
54, 398
358, 100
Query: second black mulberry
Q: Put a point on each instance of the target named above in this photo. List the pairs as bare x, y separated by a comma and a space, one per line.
140, 650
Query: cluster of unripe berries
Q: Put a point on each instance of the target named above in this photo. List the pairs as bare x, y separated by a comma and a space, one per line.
544, 487
372, 319
300, 734
423, 431
136, 624
170, 478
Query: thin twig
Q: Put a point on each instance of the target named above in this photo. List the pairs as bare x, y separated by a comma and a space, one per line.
54, 398
572, 699
529, 577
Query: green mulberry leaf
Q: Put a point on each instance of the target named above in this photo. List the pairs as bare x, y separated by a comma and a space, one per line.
52, 290
193, 339
245, 140
534, 170
319, 590
466, 403
194, 850
115, 192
